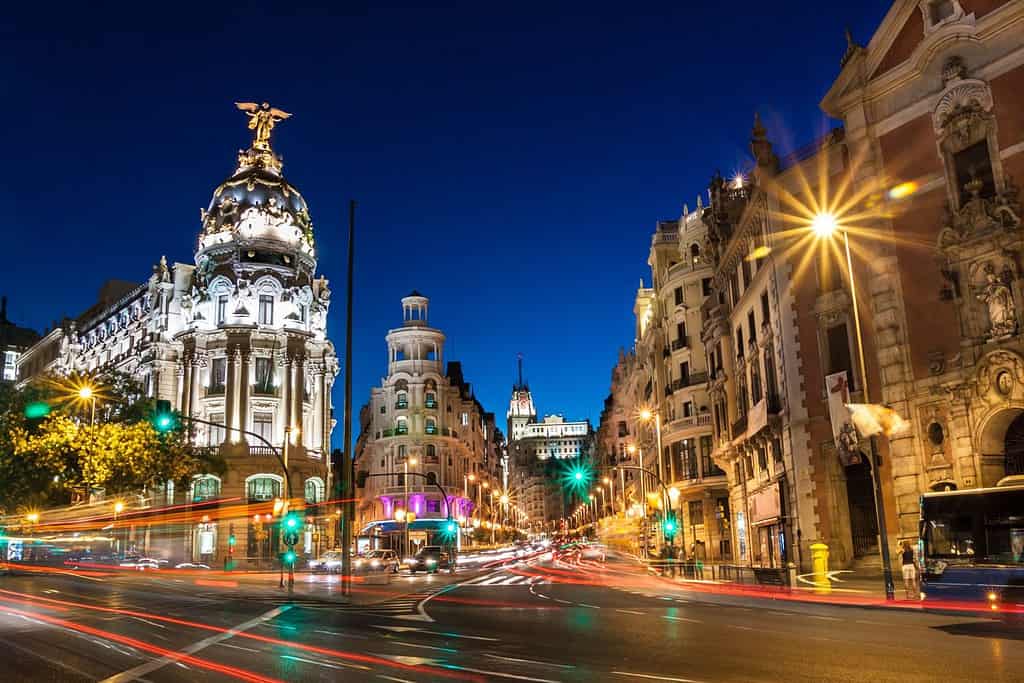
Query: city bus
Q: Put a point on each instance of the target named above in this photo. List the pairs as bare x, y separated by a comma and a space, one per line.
972, 546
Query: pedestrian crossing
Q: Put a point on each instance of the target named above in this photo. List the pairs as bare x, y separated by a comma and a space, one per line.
504, 579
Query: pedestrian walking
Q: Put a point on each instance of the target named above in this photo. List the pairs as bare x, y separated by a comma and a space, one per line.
910, 571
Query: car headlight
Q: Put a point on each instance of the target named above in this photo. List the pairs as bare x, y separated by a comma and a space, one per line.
375, 563
431, 561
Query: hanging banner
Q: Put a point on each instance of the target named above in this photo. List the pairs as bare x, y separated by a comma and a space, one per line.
843, 431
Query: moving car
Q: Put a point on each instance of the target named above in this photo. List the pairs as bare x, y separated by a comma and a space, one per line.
378, 560
429, 559
592, 552
328, 562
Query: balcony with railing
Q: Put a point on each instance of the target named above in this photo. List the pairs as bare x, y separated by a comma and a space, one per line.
739, 427
216, 389
401, 405
430, 403
681, 343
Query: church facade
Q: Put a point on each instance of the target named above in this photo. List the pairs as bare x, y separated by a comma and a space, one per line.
235, 340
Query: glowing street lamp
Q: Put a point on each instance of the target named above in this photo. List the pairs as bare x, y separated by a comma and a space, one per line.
825, 225
87, 393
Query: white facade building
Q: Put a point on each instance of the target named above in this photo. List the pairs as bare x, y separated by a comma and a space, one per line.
237, 338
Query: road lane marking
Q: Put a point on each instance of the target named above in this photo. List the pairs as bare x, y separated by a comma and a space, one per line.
815, 616
745, 628
449, 650
583, 604
498, 673
239, 647
692, 621
151, 623
629, 611
529, 661
328, 665
656, 678
392, 678
152, 665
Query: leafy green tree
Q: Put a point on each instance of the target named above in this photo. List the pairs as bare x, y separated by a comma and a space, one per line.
121, 453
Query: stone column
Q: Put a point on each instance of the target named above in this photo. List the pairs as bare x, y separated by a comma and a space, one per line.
244, 387
230, 395
298, 388
186, 386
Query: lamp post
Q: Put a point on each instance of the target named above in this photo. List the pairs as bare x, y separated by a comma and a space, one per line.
118, 508
610, 483
405, 480
86, 393
826, 225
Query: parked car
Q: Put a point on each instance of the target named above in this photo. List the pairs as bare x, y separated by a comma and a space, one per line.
429, 559
386, 560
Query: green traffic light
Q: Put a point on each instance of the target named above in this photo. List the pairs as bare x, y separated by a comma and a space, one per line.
231, 539
289, 557
451, 527
578, 476
291, 522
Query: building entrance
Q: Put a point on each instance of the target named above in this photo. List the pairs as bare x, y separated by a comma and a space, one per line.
1014, 447
861, 496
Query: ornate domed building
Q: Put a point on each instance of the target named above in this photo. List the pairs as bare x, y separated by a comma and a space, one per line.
237, 342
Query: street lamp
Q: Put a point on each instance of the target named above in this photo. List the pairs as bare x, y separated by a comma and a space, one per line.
86, 393
825, 225
118, 508
405, 481
646, 415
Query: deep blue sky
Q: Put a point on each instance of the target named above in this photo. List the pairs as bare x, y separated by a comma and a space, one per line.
509, 160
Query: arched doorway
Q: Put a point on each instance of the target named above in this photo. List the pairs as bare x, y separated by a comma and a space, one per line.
1013, 444
860, 493
1002, 446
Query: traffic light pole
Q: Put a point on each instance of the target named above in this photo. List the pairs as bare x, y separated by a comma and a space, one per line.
668, 511
444, 495
348, 519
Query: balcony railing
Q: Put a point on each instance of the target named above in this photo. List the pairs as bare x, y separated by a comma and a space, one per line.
680, 343
431, 429
261, 450
430, 403
216, 390
264, 389
400, 405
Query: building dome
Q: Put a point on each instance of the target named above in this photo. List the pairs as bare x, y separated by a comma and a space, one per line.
257, 207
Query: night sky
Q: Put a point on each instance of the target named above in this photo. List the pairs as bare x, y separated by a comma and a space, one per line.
510, 160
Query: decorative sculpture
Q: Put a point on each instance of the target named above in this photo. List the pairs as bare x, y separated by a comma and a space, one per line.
1001, 310
262, 119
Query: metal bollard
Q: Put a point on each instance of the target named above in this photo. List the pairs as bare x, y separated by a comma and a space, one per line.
819, 564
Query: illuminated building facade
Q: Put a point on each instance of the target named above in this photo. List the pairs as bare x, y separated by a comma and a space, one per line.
236, 338
423, 419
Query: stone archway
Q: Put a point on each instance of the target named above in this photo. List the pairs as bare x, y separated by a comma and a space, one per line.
1002, 446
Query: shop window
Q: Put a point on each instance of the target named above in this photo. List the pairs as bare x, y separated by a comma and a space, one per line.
314, 490
205, 487
262, 488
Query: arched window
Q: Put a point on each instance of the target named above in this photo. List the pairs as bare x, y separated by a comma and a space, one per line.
431, 400
314, 490
430, 455
694, 254
263, 487
205, 487
401, 426
431, 426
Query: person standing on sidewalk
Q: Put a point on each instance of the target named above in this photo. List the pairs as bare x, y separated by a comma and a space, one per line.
910, 571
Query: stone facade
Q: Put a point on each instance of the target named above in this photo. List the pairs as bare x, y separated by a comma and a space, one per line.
238, 339
424, 417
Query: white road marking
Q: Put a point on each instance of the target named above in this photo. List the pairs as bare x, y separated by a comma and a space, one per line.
629, 611
238, 647
392, 678
151, 623
692, 621
583, 604
656, 678
152, 665
423, 647
503, 675
326, 664
745, 628
564, 602
529, 661
815, 616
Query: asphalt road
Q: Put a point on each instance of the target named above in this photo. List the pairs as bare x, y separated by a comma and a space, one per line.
554, 619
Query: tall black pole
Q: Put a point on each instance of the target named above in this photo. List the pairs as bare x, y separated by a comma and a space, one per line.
348, 506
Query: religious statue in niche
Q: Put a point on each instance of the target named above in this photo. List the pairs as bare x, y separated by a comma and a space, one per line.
1002, 313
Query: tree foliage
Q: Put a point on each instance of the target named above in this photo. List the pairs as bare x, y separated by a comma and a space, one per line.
46, 463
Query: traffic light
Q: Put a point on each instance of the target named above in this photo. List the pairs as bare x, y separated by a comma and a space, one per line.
232, 541
669, 526
578, 476
289, 557
292, 522
163, 417
35, 413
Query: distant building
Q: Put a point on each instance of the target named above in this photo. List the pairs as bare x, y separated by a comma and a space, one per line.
537, 455
14, 340
424, 419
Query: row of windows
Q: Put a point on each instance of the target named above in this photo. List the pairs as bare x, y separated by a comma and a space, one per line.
259, 488
265, 312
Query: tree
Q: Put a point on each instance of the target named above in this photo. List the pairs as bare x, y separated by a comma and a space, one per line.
45, 463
